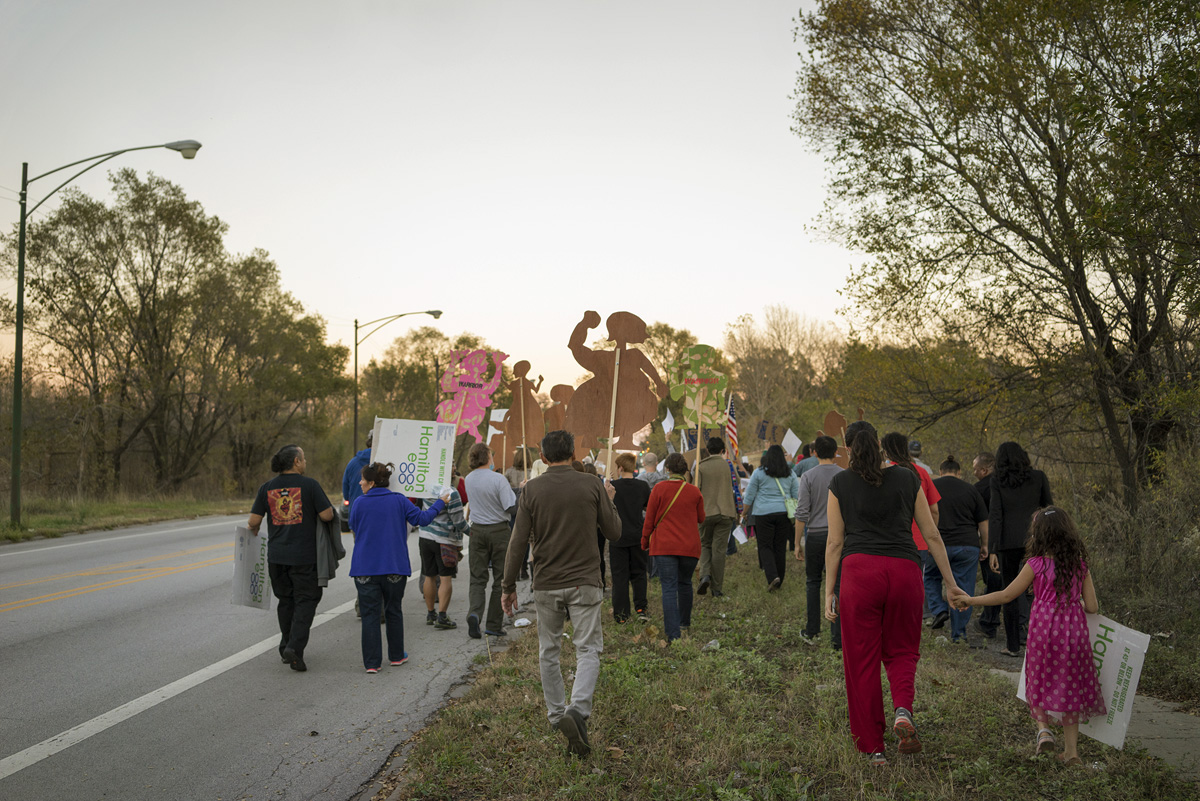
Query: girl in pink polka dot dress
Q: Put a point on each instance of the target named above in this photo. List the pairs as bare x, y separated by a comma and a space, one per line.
1060, 680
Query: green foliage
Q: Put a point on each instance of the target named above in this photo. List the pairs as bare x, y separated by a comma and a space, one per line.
158, 346
1024, 176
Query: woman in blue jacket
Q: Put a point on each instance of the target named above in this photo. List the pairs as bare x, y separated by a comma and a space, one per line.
767, 496
379, 519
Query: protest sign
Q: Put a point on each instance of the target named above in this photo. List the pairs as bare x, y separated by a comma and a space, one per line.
1117, 653
250, 578
791, 443
422, 451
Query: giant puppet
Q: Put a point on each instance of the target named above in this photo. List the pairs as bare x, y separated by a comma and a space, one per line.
622, 395
465, 378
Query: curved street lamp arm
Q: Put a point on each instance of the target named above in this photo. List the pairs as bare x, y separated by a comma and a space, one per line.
50, 194
386, 320
102, 156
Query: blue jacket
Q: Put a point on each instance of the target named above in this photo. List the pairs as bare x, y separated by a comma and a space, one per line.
353, 474
380, 522
762, 496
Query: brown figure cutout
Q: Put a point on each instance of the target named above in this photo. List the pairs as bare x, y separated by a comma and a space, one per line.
620, 399
524, 402
556, 415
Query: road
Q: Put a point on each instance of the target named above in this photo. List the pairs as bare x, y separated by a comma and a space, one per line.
128, 675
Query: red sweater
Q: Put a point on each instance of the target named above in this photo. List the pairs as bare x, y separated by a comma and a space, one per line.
679, 532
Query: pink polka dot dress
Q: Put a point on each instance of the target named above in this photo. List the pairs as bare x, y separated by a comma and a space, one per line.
1060, 679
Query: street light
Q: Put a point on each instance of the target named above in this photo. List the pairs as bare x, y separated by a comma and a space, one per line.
187, 148
382, 321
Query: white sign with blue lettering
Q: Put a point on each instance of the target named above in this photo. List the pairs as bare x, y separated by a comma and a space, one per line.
421, 451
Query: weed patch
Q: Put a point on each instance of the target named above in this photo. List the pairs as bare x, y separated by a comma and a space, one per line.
761, 716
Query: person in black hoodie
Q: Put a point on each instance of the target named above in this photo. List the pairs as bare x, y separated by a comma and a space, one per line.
1017, 492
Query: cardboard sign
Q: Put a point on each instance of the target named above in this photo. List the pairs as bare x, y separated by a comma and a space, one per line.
251, 582
422, 452
1118, 653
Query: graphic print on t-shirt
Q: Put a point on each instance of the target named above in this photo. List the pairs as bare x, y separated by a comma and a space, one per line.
286, 508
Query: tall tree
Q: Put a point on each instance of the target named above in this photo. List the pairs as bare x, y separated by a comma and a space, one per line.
1025, 175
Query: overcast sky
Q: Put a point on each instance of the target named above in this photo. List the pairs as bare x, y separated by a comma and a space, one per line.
512, 162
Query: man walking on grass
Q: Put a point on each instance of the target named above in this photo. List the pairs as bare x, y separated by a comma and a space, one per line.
558, 516
716, 479
492, 500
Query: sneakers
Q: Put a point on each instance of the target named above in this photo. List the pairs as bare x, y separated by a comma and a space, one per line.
443, 622
473, 626
642, 616
807, 640
705, 581
1007, 652
574, 727
430, 617
877, 760
399, 662
495, 632
906, 731
372, 670
774, 585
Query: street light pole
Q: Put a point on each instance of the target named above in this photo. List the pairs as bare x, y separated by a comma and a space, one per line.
187, 148
380, 323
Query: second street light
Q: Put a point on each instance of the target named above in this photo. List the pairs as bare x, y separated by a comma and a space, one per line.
380, 323
187, 148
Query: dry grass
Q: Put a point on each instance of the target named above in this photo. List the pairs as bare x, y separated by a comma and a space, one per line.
761, 717
53, 517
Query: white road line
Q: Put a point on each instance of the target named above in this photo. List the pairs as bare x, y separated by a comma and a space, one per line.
60, 742
114, 539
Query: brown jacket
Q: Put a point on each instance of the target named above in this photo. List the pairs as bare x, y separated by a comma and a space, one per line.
558, 516
716, 485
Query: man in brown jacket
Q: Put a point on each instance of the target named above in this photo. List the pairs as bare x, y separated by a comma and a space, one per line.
715, 480
557, 516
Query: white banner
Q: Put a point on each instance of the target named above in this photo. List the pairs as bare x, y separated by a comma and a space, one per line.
1118, 653
422, 452
251, 584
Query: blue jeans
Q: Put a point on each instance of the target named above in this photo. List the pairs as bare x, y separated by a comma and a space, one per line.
375, 594
964, 561
675, 575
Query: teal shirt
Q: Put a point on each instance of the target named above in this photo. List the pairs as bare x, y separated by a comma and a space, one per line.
763, 497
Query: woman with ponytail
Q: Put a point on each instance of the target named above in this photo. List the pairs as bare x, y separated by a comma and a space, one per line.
870, 547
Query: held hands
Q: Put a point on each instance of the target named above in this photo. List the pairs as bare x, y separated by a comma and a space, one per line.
958, 599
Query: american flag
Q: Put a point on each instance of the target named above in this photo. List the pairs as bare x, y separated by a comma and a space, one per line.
731, 431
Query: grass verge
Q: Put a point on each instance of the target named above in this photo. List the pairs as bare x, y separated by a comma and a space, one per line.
54, 517
762, 716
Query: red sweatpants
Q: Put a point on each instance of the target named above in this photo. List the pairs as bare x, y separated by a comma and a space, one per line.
879, 606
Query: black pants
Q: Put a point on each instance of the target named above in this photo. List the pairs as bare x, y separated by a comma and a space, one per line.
628, 567
1016, 611
814, 568
296, 588
771, 532
989, 619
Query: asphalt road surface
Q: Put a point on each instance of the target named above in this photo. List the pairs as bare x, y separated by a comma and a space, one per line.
128, 674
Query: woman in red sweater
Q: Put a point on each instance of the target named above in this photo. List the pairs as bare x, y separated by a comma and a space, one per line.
671, 533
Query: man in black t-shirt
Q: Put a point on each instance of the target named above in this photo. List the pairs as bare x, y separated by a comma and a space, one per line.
293, 503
